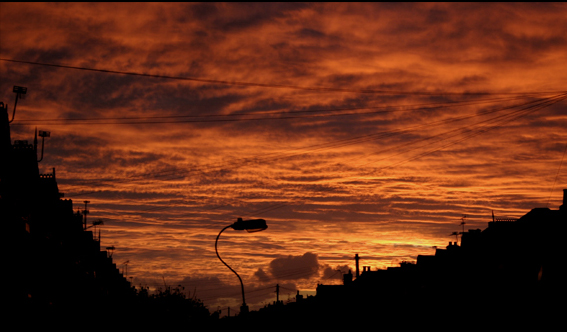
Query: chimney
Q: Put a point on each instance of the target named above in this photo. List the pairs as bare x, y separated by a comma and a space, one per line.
564, 206
35, 142
357, 268
5, 128
347, 278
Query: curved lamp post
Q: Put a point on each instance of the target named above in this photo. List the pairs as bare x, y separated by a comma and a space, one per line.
250, 226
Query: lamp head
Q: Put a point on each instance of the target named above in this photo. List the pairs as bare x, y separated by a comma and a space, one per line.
254, 225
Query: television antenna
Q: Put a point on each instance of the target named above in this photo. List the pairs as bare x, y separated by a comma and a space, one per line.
20, 92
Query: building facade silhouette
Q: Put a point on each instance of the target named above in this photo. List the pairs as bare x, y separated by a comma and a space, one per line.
54, 266
511, 271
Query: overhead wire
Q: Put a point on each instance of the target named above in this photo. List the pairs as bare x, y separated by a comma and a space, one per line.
278, 86
332, 113
459, 131
265, 85
256, 84
271, 157
510, 117
542, 103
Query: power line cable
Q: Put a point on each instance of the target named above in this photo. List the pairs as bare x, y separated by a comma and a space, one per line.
377, 110
318, 147
265, 85
333, 144
522, 113
456, 132
418, 156
503, 119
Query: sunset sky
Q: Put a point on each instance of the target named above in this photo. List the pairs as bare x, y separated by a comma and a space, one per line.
350, 128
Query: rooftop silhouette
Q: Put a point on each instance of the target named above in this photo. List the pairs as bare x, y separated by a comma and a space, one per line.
56, 269
508, 274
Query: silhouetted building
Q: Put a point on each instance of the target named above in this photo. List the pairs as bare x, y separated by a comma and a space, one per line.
53, 265
513, 267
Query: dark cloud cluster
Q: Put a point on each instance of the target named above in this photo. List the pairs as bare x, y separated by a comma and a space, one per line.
295, 267
290, 268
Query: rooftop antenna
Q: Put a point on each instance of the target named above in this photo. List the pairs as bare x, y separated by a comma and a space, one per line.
43, 135
85, 212
94, 224
110, 251
164, 284
126, 268
20, 92
463, 222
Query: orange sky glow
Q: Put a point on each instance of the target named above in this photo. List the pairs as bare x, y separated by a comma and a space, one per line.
350, 128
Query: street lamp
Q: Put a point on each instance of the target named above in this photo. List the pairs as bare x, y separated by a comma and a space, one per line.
255, 225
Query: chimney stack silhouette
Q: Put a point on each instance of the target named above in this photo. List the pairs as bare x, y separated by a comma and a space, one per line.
356, 258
